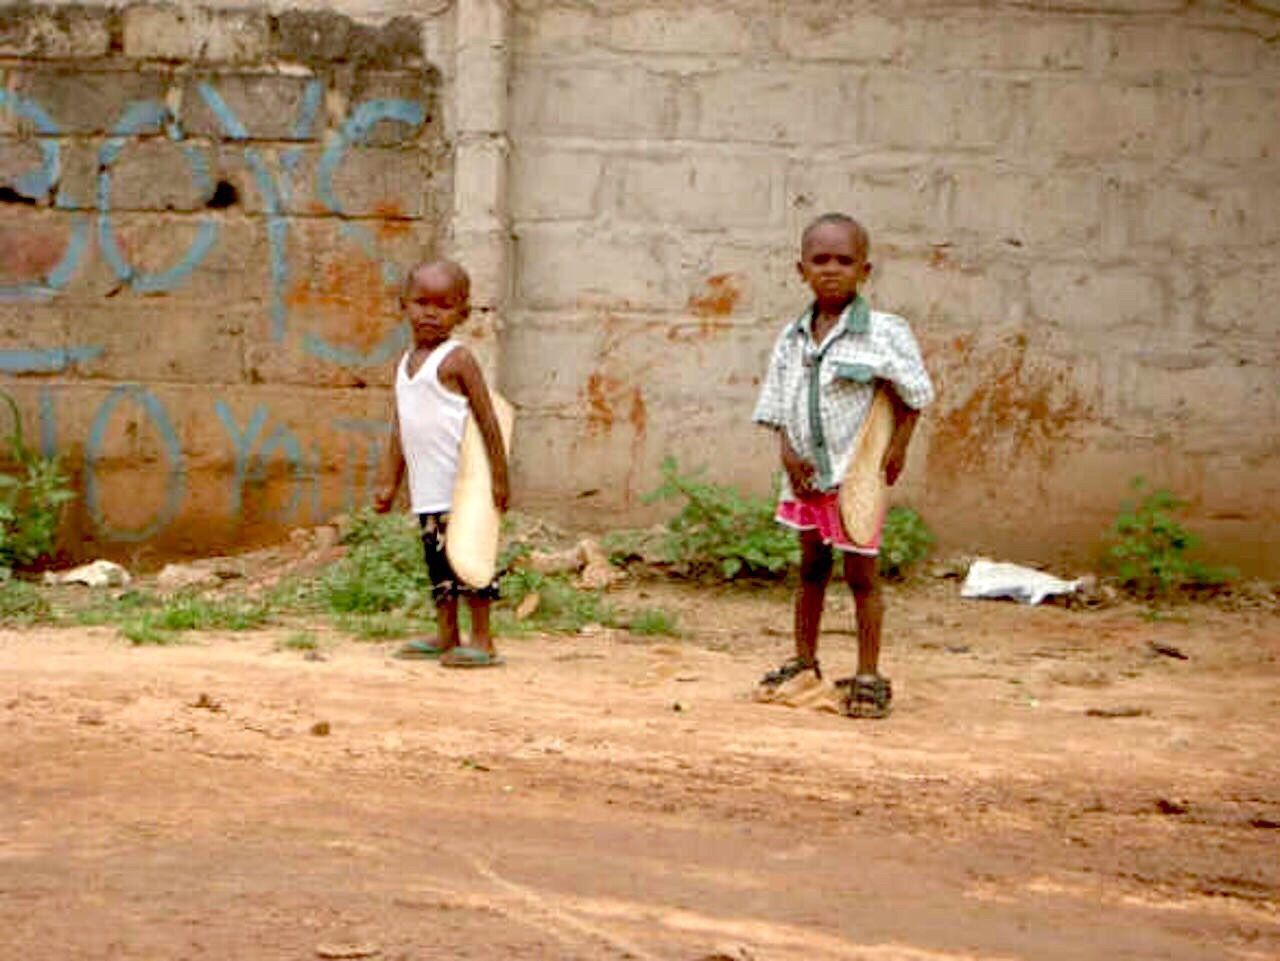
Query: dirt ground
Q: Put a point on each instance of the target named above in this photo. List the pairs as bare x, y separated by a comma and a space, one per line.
606, 796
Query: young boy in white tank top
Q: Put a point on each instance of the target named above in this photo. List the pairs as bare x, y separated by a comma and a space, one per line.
438, 386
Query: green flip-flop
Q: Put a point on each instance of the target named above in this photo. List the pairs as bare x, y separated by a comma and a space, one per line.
470, 657
420, 651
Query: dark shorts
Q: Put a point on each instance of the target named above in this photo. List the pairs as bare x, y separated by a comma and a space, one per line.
444, 582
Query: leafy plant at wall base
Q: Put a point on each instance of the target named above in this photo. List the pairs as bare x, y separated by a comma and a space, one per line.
1149, 553
20, 603
906, 541
31, 500
383, 569
720, 532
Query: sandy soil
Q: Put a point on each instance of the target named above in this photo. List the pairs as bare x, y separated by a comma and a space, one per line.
607, 796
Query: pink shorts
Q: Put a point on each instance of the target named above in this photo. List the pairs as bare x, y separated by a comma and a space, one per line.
821, 513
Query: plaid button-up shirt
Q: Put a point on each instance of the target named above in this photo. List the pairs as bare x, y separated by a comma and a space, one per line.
820, 393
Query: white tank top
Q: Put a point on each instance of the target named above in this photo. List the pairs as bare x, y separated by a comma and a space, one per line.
431, 421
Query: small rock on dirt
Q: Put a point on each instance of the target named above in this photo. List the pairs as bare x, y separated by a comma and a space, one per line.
1121, 711
321, 729
91, 719
175, 577
1167, 650
98, 573
206, 703
555, 562
347, 950
1169, 806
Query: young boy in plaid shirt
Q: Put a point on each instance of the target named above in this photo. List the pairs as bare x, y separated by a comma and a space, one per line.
822, 376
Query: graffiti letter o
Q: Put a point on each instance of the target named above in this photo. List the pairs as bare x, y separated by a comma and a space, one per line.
149, 115
176, 485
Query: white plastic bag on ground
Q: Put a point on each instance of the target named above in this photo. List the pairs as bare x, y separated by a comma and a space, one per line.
95, 574
998, 579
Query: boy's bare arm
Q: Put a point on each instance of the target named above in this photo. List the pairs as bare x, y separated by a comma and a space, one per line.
461, 369
904, 425
391, 472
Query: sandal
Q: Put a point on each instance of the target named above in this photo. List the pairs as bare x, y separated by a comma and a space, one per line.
420, 651
462, 656
866, 695
789, 669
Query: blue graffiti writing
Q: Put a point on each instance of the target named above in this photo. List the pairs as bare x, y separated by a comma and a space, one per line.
175, 486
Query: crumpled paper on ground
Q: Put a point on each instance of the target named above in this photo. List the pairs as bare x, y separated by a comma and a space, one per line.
989, 579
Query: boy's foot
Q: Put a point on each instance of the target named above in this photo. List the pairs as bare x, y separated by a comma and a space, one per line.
866, 695
789, 669
420, 651
462, 656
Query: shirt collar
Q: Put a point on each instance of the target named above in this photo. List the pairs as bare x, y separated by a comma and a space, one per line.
856, 318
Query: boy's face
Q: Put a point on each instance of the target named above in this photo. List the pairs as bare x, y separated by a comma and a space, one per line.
833, 262
434, 303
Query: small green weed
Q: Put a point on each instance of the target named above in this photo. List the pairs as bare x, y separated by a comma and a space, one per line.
31, 501
191, 613
720, 533
382, 570
1148, 555
144, 631
300, 641
907, 541
561, 605
22, 604
653, 621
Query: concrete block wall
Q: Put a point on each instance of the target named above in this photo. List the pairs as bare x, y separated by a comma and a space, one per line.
1077, 206
204, 213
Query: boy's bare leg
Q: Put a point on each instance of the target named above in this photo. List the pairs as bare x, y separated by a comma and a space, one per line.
480, 634
862, 576
447, 623
815, 572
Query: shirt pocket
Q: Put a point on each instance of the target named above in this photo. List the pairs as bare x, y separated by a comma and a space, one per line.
854, 371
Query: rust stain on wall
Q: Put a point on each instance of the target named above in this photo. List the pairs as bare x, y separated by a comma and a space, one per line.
28, 255
719, 298
602, 395
350, 299
391, 223
1015, 410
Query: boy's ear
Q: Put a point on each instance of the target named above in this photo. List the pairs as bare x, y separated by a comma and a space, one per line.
800, 269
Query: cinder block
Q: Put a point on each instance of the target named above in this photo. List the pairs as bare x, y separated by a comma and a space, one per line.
480, 184
701, 191
1238, 123
903, 199
486, 254
1014, 208
1080, 119
416, 91
548, 183
1226, 51
82, 101
1243, 302
916, 113
182, 34
266, 106
556, 267
50, 33
1182, 216
1009, 43
943, 294
1087, 298
682, 29
480, 92
811, 105
324, 37
379, 181
606, 102
833, 32
21, 161
151, 340
555, 31
157, 174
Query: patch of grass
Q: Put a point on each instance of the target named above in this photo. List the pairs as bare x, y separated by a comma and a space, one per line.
653, 621
1150, 547
31, 499
22, 604
143, 631
720, 533
378, 627
906, 542
300, 641
382, 570
561, 605
193, 613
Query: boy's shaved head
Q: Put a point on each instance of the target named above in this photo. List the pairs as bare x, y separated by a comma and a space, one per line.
440, 273
858, 232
